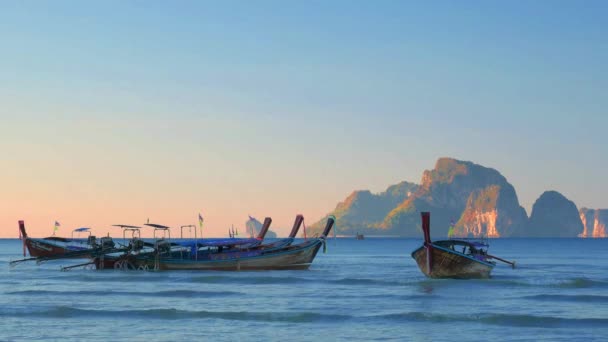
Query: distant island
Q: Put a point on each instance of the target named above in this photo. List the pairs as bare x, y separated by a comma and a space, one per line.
475, 200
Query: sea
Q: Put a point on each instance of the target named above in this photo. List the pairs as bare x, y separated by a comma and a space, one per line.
358, 290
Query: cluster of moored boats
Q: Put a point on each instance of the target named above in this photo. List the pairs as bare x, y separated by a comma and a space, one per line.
162, 253
453, 258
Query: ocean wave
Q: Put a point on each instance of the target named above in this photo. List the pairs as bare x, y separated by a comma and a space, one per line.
162, 294
570, 298
236, 278
578, 283
246, 279
174, 314
499, 319
396, 296
364, 281
260, 280
523, 283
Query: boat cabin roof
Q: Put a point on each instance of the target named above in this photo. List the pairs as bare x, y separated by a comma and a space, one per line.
125, 226
83, 229
156, 226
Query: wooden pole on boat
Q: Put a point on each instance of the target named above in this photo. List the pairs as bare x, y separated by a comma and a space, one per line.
264, 230
512, 263
67, 268
426, 230
330, 222
15, 262
22, 235
296, 226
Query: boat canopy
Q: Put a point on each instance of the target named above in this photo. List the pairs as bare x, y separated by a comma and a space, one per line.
156, 226
83, 229
125, 226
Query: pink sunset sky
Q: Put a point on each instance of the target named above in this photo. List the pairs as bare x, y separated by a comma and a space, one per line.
116, 112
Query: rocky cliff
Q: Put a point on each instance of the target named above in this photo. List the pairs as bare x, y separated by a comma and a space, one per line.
594, 222
477, 200
363, 211
553, 215
480, 199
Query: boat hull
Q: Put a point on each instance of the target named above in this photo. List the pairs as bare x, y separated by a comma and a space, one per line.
52, 247
450, 264
296, 257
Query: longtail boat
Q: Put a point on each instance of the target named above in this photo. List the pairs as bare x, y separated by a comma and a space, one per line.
55, 246
200, 254
142, 255
217, 255
453, 258
136, 251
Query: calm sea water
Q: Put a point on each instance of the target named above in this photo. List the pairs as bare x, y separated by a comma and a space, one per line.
358, 290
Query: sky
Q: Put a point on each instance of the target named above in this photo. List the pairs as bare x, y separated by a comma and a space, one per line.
119, 112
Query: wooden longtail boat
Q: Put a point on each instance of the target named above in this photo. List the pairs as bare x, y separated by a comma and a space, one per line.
199, 254
219, 254
136, 251
453, 258
55, 246
145, 255
212, 256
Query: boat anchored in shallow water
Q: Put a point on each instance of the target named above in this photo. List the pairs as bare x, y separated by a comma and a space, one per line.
233, 255
453, 258
53, 246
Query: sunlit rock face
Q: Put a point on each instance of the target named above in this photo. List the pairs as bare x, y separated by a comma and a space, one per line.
480, 217
553, 215
478, 198
594, 222
478, 224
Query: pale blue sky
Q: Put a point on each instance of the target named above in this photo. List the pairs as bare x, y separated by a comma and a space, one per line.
280, 107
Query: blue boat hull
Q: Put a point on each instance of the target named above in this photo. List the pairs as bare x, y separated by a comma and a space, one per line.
294, 257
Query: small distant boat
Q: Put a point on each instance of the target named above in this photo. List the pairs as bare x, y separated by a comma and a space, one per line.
360, 236
55, 246
453, 258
